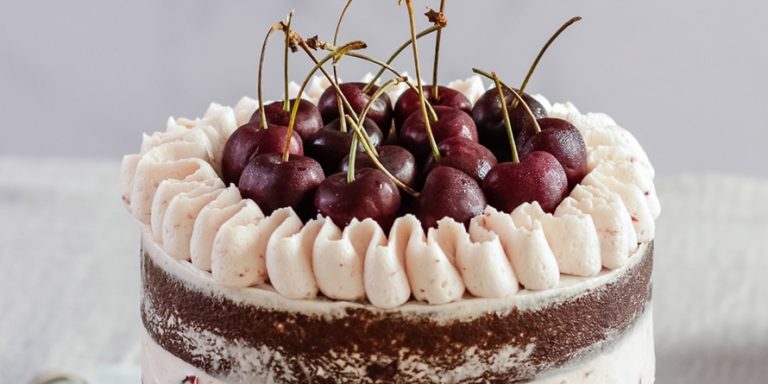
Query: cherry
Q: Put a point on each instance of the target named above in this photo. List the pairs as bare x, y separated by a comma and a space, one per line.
409, 102
273, 183
308, 119
490, 124
451, 122
370, 195
380, 111
538, 177
487, 114
329, 145
465, 155
448, 192
396, 159
565, 143
248, 141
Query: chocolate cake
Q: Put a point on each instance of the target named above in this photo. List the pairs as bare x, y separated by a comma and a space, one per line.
282, 243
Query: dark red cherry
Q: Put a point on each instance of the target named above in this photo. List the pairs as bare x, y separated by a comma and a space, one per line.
538, 177
397, 160
465, 155
272, 183
564, 141
308, 119
487, 114
409, 102
451, 122
248, 141
380, 111
329, 145
448, 192
371, 195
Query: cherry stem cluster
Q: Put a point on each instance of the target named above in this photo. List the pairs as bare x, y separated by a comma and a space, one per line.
305, 82
397, 52
385, 66
287, 30
337, 55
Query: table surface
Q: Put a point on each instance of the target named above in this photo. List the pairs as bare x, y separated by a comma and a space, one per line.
70, 286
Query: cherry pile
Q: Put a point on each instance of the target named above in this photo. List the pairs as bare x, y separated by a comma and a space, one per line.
431, 153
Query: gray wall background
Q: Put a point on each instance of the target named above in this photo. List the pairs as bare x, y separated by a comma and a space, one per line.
84, 78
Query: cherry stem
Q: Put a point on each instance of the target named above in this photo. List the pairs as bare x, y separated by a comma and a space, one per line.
352, 157
318, 65
378, 93
517, 96
337, 54
424, 115
343, 122
377, 163
544, 49
363, 114
435, 90
287, 30
397, 52
507, 123
262, 113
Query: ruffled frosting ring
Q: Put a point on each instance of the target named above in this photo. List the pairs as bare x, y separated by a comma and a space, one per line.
173, 186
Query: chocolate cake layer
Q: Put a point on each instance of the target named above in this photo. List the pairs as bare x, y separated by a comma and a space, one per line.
243, 343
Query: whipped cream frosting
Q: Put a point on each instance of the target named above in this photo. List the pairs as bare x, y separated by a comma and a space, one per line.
173, 186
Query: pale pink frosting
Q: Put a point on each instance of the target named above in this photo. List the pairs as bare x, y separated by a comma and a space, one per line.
173, 186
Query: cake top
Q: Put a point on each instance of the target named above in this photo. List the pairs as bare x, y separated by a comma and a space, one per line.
450, 189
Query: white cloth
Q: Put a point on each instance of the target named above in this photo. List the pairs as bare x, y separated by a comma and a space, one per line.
69, 291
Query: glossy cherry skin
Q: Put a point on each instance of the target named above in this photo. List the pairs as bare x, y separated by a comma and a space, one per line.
248, 141
487, 114
538, 177
564, 141
371, 195
329, 145
409, 102
308, 119
448, 192
465, 155
272, 183
397, 160
451, 122
380, 111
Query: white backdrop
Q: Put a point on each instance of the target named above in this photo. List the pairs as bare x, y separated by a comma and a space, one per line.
84, 77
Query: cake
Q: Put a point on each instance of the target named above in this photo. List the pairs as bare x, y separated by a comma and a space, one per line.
242, 287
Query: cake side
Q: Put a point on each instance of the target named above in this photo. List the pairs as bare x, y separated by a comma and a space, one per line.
508, 340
